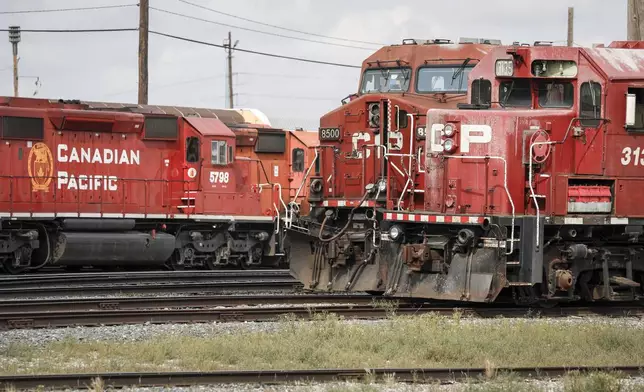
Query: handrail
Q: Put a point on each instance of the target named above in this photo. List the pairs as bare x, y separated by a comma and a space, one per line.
277, 185
297, 194
533, 195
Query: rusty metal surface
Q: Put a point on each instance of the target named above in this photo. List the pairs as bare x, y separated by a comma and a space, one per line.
412, 375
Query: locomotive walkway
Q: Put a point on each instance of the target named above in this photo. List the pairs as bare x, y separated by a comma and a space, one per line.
411, 375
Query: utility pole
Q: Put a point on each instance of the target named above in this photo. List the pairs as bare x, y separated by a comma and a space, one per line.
571, 24
635, 29
14, 38
229, 46
144, 22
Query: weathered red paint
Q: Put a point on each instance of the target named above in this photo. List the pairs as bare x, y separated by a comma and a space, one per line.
207, 182
345, 174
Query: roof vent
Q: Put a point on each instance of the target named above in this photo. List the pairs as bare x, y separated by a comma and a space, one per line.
437, 41
483, 41
542, 43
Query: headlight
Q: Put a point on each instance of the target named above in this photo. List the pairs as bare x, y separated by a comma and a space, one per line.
382, 186
449, 145
449, 130
395, 232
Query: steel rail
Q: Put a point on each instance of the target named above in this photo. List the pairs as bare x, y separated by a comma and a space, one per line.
213, 286
18, 319
137, 276
415, 375
199, 301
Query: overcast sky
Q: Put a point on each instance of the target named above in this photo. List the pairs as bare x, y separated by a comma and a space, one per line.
103, 66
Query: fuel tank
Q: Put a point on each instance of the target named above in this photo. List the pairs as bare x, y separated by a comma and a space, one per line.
112, 249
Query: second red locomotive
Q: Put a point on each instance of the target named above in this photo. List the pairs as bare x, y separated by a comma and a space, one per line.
107, 185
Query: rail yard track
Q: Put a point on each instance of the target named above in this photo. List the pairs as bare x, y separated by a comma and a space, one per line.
416, 375
143, 282
52, 314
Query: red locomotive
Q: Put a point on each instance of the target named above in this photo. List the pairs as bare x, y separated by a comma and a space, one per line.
531, 187
86, 183
371, 146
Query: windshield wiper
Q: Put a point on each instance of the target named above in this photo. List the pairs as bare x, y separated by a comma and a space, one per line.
507, 96
459, 72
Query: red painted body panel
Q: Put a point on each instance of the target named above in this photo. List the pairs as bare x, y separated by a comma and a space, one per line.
344, 172
586, 155
98, 162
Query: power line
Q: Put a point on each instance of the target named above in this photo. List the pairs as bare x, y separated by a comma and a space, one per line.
73, 30
295, 76
288, 97
165, 85
259, 31
279, 27
256, 52
304, 60
102, 7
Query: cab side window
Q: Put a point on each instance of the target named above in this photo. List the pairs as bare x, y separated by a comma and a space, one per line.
590, 104
298, 160
481, 92
218, 152
192, 149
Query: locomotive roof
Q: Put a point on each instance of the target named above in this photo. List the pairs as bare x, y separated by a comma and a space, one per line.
208, 126
416, 55
308, 138
231, 117
618, 63
621, 60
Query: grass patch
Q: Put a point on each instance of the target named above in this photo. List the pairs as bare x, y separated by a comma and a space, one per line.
329, 342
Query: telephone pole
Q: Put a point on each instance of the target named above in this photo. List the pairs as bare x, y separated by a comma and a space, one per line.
635, 29
571, 24
144, 20
14, 38
229, 46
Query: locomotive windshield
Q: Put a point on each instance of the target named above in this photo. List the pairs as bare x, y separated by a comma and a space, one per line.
515, 93
443, 79
385, 80
555, 94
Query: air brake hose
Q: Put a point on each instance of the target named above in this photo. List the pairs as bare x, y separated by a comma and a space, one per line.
346, 226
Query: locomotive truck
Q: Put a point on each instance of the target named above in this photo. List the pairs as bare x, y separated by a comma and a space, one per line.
85, 183
531, 189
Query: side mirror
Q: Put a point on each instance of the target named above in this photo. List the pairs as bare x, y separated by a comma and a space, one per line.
630, 110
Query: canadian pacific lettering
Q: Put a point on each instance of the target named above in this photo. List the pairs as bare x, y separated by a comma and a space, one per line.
103, 156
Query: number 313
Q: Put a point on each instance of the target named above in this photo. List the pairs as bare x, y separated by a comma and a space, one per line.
630, 156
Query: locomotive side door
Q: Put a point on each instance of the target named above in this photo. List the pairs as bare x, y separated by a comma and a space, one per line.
217, 177
186, 178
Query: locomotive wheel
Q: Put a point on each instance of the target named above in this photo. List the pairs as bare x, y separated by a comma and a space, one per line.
210, 263
9, 267
245, 264
176, 262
